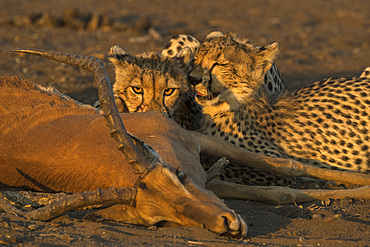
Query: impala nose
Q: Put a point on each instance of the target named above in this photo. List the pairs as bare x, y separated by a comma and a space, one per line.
229, 224
237, 227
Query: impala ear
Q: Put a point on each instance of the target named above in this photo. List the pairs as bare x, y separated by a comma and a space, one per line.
118, 56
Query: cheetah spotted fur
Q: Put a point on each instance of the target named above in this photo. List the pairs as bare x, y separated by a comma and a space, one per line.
325, 124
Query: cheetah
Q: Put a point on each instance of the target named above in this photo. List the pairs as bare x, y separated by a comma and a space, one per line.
274, 86
274, 83
325, 124
153, 82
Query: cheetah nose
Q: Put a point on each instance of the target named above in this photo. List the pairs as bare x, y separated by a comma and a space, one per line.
193, 80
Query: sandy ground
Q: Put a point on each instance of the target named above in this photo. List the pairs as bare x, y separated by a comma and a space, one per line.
318, 39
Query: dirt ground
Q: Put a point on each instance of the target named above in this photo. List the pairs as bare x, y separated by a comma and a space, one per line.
318, 39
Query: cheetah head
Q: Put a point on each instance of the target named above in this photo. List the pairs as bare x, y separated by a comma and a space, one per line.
229, 70
150, 81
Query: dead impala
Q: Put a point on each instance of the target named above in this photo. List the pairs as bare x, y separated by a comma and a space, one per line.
50, 143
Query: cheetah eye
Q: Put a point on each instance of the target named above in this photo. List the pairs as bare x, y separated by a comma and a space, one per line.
137, 90
169, 91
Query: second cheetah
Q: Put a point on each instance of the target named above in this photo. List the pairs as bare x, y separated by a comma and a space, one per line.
325, 124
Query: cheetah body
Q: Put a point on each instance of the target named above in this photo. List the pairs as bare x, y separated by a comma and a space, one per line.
325, 124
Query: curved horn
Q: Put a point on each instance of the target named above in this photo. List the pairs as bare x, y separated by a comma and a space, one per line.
118, 131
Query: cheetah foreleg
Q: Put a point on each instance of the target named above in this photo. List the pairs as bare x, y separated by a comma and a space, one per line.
281, 166
281, 195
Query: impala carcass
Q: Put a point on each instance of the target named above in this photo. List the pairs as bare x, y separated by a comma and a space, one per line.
51, 143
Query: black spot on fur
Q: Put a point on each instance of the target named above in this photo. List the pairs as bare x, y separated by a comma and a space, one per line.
344, 158
364, 131
358, 161
170, 52
359, 142
269, 85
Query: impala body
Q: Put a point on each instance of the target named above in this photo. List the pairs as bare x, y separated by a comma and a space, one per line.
51, 143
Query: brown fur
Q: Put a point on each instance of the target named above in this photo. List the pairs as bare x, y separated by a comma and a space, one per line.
50, 143
71, 124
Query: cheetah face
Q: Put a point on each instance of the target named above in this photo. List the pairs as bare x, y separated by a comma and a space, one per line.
148, 82
230, 70
146, 90
209, 84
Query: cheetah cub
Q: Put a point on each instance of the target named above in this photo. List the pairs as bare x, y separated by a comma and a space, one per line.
325, 124
273, 84
153, 82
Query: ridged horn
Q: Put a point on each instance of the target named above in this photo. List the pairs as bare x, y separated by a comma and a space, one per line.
118, 131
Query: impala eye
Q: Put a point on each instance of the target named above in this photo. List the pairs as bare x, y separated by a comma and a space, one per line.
137, 90
169, 91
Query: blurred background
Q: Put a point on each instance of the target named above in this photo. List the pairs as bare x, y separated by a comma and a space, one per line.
318, 39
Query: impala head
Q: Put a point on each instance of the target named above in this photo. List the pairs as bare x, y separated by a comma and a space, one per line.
164, 194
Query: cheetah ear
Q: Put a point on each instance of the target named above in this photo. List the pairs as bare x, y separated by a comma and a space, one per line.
185, 55
265, 58
118, 56
213, 35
